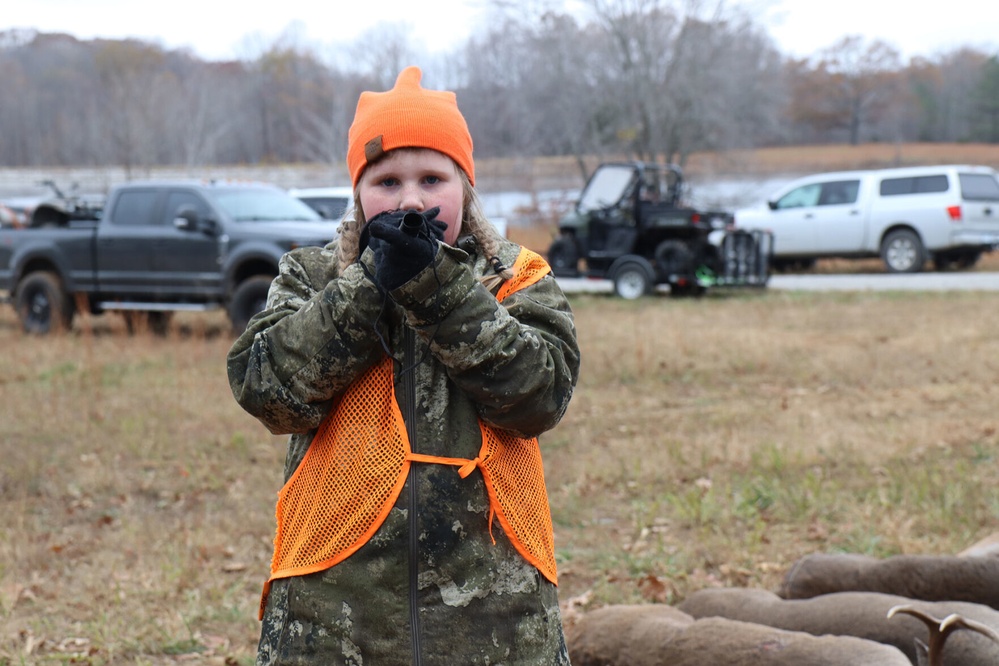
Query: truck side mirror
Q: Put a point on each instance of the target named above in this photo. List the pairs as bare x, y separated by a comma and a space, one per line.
186, 219
772, 205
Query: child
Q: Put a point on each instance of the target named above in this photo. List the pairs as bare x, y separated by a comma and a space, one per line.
414, 362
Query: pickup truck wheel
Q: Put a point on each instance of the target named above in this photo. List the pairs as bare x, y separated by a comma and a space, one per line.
42, 305
249, 298
903, 252
631, 281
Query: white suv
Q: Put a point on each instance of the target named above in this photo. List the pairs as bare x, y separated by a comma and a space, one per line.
949, 214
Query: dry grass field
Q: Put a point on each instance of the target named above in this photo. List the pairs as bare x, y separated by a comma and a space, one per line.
711, 441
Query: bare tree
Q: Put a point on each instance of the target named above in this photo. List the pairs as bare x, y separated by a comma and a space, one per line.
861, 83
674, 67
14, 128
212, 105
645, 47
986, 103
383, 51
570, 111
655, 79
138, 89
960, 76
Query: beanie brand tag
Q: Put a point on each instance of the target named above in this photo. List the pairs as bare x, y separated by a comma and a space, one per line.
373, 149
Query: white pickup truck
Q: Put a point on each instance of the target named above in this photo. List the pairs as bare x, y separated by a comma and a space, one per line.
948, 214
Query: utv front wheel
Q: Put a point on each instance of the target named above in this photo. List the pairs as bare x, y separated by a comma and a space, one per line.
563, 256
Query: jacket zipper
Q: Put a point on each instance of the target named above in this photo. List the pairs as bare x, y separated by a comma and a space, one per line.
407, 389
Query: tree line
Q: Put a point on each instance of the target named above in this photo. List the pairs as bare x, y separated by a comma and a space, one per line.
648, 78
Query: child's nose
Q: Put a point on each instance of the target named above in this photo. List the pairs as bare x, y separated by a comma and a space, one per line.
411, 198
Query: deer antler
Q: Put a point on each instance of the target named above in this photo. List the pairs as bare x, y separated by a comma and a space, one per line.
932, 655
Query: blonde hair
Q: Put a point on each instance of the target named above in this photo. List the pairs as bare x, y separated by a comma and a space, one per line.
473, 221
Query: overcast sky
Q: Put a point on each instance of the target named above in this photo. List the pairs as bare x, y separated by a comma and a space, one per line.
223, 29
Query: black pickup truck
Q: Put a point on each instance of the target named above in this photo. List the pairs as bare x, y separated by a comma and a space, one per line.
157, 248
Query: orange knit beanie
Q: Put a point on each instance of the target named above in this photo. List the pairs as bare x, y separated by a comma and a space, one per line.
408, 116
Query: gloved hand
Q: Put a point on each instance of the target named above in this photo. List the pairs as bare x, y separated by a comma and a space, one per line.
402, 253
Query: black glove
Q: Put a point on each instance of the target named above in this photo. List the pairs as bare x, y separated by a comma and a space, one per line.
403, 250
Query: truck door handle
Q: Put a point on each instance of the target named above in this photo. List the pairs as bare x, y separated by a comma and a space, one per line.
987, 211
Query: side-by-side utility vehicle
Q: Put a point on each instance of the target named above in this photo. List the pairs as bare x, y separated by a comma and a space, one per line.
631, 226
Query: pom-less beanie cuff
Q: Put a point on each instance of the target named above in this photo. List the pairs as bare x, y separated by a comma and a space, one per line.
408, 116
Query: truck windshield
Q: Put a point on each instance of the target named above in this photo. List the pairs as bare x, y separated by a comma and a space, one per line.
606, 187
249, 205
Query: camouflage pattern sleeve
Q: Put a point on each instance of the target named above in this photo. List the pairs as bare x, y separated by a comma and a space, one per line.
314, 337
517, 360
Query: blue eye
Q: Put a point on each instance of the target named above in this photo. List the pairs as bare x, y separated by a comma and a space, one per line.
433, 180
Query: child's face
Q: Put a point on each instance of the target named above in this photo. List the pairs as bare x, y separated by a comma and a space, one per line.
416, 179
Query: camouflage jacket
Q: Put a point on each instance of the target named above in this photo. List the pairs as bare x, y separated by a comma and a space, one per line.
430, 587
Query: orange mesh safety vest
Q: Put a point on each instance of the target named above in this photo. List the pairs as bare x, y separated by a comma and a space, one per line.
358, 462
